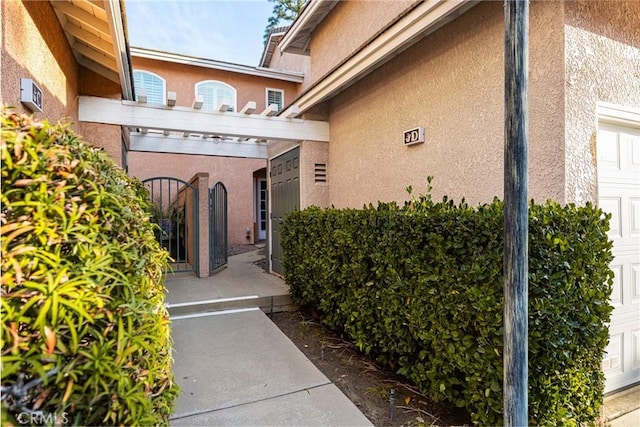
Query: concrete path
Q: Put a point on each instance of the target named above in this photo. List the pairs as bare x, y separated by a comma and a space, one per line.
236, 368
239, 369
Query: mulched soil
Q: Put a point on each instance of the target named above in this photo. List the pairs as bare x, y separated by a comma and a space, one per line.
366, 384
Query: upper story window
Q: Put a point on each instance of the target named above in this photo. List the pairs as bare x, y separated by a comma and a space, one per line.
215, 93
153, 84
275, 96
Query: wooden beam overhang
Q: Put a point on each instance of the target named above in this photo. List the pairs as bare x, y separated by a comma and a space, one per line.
95, 30
158, 143
183, 120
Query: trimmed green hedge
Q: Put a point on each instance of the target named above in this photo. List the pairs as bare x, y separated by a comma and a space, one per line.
420, 287
82, 286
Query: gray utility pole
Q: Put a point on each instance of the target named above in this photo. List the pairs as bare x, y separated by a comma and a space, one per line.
516, 214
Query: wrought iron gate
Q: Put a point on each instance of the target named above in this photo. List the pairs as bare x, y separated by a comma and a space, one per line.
218, 244
175, 210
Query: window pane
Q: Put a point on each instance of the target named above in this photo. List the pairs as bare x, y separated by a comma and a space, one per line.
275, 97
215, 93
154, 86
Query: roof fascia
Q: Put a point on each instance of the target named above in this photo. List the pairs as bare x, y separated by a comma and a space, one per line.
269, 48
426, 18
290, 76
305, 23
123, 60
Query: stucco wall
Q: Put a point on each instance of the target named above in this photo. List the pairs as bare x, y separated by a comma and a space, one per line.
602, 46
236, 174
313, 193
347, 27
183, 78
34, 46
292, 62
451, 83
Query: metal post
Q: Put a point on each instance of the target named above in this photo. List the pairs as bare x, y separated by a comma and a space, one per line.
516, 214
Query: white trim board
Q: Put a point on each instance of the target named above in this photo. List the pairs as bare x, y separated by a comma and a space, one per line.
195, 145
289, 76
617, 114
187, 121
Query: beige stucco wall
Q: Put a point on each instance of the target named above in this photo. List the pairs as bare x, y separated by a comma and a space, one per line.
292, 62
602, 51
349, 26
313, 193
34, 46
183, 78
235, 173
451, 83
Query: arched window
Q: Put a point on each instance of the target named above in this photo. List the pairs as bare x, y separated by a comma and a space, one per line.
152, 83
215, 93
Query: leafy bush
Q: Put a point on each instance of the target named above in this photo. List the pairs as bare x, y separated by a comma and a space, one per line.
421, 288
82, 285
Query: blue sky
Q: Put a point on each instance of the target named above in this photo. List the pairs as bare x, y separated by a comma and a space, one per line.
224, 30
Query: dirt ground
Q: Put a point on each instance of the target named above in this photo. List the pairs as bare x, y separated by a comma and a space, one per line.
367, 385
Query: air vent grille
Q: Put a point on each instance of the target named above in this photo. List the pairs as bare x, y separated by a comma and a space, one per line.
320, 173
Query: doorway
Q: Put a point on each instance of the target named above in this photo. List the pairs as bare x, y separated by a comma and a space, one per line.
284, 171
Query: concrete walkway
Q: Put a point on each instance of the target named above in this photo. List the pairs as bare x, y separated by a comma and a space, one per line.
235, 367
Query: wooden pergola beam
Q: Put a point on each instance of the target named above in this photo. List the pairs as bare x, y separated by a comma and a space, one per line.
187, 120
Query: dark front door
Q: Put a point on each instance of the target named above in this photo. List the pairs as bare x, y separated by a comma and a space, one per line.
285, 197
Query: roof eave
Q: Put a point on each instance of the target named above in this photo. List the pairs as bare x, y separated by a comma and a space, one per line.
296, 40
117, 25
157, 55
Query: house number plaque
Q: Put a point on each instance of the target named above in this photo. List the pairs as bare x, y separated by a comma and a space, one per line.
413, 136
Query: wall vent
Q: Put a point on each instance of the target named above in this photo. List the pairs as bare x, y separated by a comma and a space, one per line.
320, 173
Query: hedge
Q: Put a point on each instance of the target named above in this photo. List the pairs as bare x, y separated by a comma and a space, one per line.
85, 336
420, 287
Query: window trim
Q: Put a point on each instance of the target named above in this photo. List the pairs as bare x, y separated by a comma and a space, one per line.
164, 83
266, 96
234, 102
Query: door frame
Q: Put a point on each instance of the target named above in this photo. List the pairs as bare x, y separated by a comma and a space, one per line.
261, 235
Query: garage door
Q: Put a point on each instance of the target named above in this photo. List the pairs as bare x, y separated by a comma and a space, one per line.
619, 194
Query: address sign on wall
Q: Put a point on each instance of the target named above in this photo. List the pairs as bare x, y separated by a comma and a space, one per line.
413, 136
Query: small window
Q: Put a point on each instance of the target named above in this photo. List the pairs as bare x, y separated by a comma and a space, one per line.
275, 96
152, 83
215, 93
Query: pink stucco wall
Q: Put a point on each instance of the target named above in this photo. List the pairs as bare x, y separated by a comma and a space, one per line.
183, 78
235, 173
34, 46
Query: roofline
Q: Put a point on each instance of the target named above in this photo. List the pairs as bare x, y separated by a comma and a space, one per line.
312, 14
290, 76
424, 19
268, 48
116, 19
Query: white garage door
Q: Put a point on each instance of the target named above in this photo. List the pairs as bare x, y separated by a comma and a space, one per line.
619, 194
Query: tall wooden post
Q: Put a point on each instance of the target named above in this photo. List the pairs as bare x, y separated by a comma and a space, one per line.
516, 214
